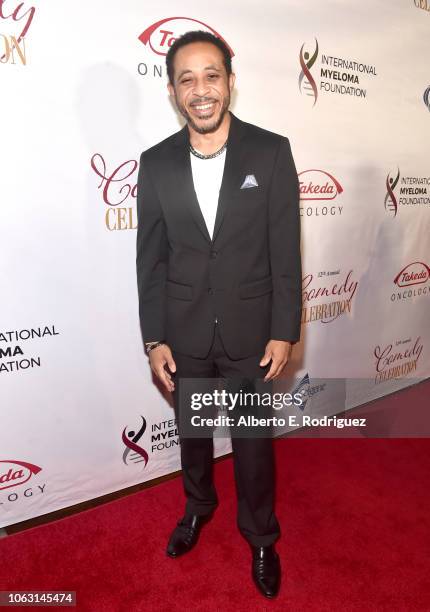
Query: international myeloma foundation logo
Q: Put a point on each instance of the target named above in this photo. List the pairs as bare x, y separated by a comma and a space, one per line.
133, 453
413, 192
160, 36
390, 202
14, 473
307, 83
322, 73
426, 97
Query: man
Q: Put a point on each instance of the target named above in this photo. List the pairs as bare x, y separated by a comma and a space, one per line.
219, 277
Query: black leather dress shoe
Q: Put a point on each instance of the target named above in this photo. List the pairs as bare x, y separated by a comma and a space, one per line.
186, 534
266, 570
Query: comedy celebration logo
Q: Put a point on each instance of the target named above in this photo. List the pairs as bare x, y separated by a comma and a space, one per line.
318, 190
327, 295
160, 36
118, 189
15, 21
397, 359
331, 74
413, 191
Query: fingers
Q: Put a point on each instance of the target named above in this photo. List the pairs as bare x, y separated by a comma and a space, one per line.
266, 358
275, 369
171, 364
165, 378
271, 372
159, 358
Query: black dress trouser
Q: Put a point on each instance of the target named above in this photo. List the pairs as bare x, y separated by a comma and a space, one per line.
253, 457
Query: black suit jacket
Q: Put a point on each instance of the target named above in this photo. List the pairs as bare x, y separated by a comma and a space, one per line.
249, 275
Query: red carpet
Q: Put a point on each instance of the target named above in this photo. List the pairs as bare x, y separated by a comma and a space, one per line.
355, 519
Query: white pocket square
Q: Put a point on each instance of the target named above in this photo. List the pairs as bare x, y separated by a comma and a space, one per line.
250, 181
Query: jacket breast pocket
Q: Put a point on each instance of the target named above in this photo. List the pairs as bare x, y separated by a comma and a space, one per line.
249, 202
256, 288
179, 291
251, 194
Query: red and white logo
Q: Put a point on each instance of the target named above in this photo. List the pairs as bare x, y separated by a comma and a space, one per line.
318, 185
14, 473
161, 35
414, 274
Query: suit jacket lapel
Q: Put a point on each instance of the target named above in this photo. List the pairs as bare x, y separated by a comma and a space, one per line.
230, 180
231, 175
184, 180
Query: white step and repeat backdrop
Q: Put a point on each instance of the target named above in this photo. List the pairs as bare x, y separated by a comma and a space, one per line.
83, 93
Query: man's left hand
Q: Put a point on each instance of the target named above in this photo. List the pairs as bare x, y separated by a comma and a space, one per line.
278, 351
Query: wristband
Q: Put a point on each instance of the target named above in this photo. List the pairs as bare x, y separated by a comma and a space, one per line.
152, 345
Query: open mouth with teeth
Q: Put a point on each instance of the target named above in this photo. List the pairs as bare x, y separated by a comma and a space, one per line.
204, 110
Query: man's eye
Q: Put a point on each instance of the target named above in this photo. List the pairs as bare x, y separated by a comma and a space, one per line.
213, 76
185, 81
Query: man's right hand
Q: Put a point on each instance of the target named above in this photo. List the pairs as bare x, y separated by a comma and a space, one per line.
159, 357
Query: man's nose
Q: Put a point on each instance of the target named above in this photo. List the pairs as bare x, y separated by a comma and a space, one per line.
201, 88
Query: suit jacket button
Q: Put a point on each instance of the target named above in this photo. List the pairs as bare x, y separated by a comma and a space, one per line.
210, 291
213, 254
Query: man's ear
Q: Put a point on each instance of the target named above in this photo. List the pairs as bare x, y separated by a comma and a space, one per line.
171, 90
231, 80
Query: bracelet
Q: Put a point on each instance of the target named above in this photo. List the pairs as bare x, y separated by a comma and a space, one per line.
152, 345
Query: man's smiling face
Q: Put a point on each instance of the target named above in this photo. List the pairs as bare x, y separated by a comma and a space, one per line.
201, 86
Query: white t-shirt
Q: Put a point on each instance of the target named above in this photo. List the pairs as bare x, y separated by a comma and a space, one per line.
207, 178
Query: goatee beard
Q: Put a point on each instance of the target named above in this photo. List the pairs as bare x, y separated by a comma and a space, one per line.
204, 129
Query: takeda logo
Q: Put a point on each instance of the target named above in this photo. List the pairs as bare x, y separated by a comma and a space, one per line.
414, 274
14, 473
412, 282
160, 36
318, 185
